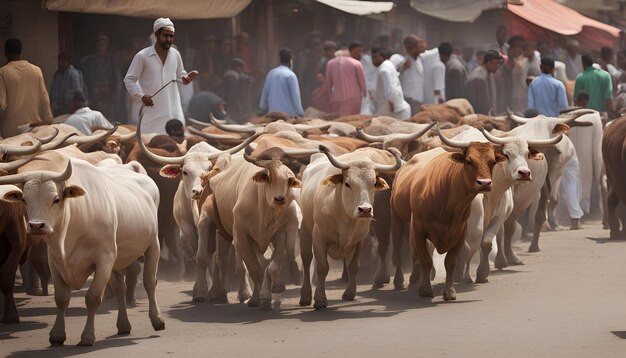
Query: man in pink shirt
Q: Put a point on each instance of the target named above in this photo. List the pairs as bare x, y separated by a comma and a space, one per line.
345, 81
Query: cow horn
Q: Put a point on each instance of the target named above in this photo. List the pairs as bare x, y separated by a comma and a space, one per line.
308, 127
391, 167
10, 166
450, 142
92, 138
154, 157
127, 137
65, 175
334, 161
236, 148
493, 139
263, 163
235, 128
211, 136
296, 153
46, 140
44, 175
575, 116
368, 137
538, 143
197, 122
57, 142
570, 109
515, 118
404, 137
14, 150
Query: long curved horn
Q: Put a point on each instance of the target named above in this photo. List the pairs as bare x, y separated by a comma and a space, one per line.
307, 127
298, 153
237, 148
450, 142
46, 140
390, 167
44, 175
154, 157
58, 141
263, 163
14, 150
515, 118
493, 139
538, 143
58, 177
370, 138
92, 138
10, 166
575, 116
127, 137
334, 161
570, 109
235, 128
197, 122
211, 136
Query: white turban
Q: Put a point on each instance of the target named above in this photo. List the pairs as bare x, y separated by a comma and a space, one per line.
163, 22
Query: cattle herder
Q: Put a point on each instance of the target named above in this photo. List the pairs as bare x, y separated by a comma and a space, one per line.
151, 69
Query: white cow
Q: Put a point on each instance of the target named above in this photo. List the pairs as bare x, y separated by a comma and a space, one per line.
337, 206
95, 220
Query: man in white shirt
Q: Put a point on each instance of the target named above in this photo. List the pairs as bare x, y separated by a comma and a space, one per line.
434, 77
412, 72
85, 119
388, 96
151, 69
572, 60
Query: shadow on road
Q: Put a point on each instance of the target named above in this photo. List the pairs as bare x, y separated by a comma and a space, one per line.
69, 350
605, 240
620, 334
7, 329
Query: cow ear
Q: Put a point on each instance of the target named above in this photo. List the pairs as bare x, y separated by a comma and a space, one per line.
170, 171
295, 183
458, 157
73, 191
381, 184
560, 128
534, 154
501, 158
27, 143
261, 177
333, 180
13, 196
113, 146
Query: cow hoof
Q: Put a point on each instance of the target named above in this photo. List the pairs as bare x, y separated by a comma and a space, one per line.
10, 319
425, 292
131, 303
57, 340
320, 305
36, 291
220, 297
534, 248
200, 298
266, 304
377, 284
243, 297
398, 282
449, 296
481, 279
123, 331
86, 340
278, 287
348, 296
253, 302
514, 261
414, 279
381, 278
500, 262
305, 302
158, 323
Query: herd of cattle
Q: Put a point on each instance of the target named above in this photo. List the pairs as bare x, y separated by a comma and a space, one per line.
447, 179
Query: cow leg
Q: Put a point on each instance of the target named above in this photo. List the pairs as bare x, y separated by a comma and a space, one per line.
613, 221
321, 262
222, 263
381, 277
201, 287
189, 242
243, 245
119, 288
425, 260
292, 264
461, 273
540, 218
38, 256
397, 235
306, 253
509, 231
272, 272
7, 282
486, 243
449, 293
353, 270
150, 266
62, 295
243, 293
132, 275
93, 299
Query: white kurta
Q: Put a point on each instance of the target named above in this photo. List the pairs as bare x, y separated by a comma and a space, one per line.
412, 79
388, 90
434, 80
86, 120
146, 75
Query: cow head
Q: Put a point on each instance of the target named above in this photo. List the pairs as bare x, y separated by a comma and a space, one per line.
44, 193
358, 182
275, 179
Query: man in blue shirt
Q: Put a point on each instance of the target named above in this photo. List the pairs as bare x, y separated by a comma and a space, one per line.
546, 94
281, 91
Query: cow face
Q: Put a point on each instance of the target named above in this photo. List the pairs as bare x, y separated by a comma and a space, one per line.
478, 160
357, 186
516, 151
194, 166
277, 181
45, 201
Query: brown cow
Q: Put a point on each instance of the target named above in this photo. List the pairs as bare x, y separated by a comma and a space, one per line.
613, 149
433, 192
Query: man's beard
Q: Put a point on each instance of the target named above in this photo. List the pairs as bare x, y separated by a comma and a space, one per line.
165, 45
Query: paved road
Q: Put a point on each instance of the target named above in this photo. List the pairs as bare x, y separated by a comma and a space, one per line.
568, 300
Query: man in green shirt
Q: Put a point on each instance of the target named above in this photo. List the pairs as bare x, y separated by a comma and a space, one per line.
598, 84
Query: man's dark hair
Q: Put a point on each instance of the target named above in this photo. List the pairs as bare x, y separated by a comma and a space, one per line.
355, 44
516, 40
445, 48
582, 96
329, 46
547, 61
587, 60
384, 54
491, 55
65, 56
531, 113
173, 127
411, 41
13, 46
236, 63
79, 96
285, 55
606, 53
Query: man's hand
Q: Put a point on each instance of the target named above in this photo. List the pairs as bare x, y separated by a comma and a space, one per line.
147, 101
190, 77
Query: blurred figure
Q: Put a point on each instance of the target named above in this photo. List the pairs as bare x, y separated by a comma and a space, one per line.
598, 84
224, 55
468, 59
67, 80
501, 37
388, 96
205, 103
396, 39
345, 81
545, 93
281, 91
102, 78
237, 91
606, 57
456, 75
247, 52
479, 90
412, 72
23, 96
434, 76
209, 72
572, 59
582, 99
85, 119
384, 42
175, 129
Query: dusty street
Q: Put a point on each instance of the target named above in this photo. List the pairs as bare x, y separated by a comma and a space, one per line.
569, 300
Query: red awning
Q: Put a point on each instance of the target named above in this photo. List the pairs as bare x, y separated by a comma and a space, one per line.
556, 18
